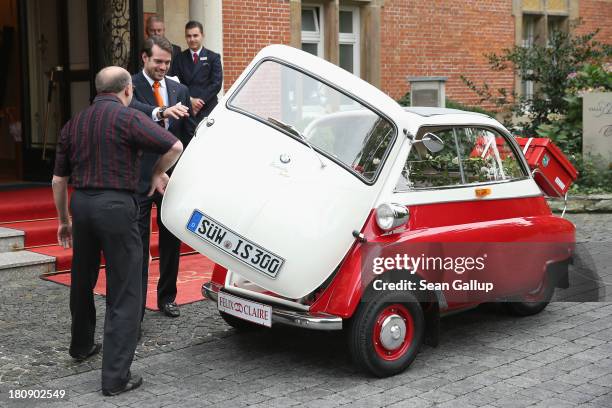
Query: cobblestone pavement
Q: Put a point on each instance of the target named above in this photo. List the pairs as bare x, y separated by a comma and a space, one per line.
559, 358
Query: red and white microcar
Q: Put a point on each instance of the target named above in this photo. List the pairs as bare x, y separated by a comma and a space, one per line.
310, 189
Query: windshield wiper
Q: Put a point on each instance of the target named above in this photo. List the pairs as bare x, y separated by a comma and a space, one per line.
292, 129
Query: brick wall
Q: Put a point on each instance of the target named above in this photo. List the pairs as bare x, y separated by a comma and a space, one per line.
596, 14
418, 38
248, 26
444, 38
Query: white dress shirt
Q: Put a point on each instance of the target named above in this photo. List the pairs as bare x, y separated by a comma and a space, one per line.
163, 90
196, 52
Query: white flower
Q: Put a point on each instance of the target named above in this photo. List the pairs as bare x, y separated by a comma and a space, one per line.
553, 117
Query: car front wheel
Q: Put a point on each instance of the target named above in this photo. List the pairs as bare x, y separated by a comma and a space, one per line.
386, 333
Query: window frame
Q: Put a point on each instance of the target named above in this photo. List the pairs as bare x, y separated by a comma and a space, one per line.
507, 138
527, 87
352, 38
315, 37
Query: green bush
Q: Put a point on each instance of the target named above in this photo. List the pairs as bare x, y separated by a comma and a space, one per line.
566, 130
551, 68
404, 100
591, 180
562, 70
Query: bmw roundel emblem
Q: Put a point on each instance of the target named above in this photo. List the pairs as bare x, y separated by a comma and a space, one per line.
284, 158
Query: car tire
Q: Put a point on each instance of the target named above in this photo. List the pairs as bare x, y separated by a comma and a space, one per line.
533, 302
239, 324
372, 329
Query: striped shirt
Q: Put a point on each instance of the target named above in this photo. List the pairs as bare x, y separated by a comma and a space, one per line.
101, 146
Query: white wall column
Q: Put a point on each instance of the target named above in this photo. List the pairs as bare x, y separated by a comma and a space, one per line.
210, 14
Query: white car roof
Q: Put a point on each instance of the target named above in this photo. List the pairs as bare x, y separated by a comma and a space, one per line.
333, 74
433, 111
424, 116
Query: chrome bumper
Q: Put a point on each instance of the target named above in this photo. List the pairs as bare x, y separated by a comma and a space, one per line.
318, 321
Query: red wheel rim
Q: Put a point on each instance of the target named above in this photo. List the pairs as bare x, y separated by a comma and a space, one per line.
393, 311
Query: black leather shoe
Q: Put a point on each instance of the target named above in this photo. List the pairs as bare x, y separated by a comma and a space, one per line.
132, 383
95, 349
170, 309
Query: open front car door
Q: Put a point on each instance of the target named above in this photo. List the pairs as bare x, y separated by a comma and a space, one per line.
287, 166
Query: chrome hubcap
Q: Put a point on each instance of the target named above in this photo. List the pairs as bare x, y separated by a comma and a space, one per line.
392, 332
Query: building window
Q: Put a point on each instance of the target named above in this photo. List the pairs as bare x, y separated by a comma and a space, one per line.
348, 39
538, 22
312, 30
556, 24
529, 29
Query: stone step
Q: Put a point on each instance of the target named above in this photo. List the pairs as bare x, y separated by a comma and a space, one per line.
20, 264
583, 204
11, 240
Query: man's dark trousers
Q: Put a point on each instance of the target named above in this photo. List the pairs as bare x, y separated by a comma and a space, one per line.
169, 251
169, 245
106, 220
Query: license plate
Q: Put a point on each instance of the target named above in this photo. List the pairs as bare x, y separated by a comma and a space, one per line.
245, 309
234, 244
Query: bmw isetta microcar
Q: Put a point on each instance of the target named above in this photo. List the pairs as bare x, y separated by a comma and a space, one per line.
322, 201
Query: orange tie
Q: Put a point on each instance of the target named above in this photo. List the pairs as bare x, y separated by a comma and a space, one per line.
157, 94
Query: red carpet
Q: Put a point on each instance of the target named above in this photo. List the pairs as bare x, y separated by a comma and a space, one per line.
32, 210
63, 257
26, 204
194, 271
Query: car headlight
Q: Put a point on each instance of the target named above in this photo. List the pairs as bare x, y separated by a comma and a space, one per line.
390, 216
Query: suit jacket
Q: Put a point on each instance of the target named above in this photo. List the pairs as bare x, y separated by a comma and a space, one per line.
203, 79
176, 52
144, 101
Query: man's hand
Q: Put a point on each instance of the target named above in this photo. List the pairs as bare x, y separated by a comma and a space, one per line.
158, 183
60, 197
64, 235
177, 111
160, 178
197, 105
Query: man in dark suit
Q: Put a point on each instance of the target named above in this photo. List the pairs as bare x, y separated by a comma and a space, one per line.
167, 103
155, 27
200, 69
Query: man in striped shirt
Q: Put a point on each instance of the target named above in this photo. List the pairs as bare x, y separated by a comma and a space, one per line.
99, 150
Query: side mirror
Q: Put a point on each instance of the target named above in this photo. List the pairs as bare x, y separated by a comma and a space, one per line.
432, 142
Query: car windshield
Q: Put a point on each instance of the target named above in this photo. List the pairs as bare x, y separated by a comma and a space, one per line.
318, 115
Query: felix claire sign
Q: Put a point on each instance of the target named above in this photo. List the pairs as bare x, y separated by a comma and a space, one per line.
597, 126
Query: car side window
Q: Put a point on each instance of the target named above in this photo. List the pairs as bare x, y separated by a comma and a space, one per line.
510, 163
470, 155
425, 169
479, 156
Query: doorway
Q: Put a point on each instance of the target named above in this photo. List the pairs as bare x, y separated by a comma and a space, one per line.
10, 94
58, 77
